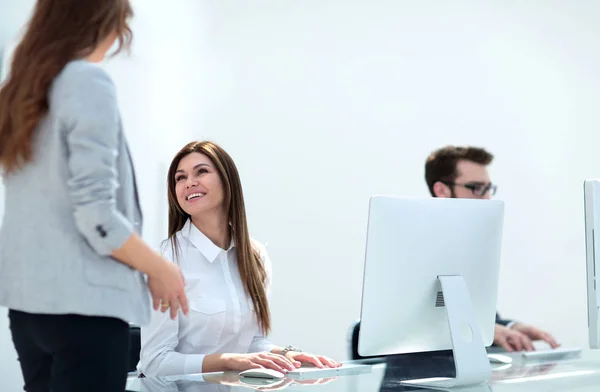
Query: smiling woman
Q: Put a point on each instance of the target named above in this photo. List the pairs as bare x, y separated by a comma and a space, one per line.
228, 277
194, 200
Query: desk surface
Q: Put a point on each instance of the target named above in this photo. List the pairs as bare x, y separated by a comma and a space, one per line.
577, 374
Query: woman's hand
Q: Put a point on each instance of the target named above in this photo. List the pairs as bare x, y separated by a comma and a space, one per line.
167, 287
165, 281
266, 360
316, 360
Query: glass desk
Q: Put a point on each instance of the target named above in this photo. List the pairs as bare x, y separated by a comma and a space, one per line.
576, 374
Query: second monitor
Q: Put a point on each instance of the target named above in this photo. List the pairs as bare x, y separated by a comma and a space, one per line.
431, 281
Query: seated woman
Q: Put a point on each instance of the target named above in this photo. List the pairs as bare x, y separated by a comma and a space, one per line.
228, 277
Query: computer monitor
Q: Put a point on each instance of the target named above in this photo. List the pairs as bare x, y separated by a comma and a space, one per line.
431, 281
591, 196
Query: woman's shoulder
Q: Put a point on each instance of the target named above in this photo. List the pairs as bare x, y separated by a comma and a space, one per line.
80, 76
259, 248
166, 248
80, 68
170, 249
263, 254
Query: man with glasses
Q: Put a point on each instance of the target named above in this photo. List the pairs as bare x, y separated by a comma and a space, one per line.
461, 172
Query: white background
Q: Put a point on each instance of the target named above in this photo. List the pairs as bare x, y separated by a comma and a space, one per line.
323, 104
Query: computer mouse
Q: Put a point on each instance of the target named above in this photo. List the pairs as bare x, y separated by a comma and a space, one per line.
262, 373
499, 358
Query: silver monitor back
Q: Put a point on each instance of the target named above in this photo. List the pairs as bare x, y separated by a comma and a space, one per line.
591, 195
410, 242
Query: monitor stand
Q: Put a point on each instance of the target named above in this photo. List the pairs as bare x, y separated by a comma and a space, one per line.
470, 357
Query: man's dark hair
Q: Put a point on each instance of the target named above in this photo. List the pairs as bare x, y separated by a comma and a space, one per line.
441, 164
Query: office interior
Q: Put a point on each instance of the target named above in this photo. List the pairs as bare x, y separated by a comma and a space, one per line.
324, 104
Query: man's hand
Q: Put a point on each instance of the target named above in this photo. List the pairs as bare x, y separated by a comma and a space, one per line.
520, 337
511, 340
535, 334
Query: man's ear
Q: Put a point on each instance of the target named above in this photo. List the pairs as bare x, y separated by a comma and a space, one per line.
441, 190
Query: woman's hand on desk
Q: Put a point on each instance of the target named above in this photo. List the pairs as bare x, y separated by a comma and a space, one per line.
258, 360
316, 360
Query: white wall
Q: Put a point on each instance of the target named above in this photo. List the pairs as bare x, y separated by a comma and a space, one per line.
323, 104
158, 92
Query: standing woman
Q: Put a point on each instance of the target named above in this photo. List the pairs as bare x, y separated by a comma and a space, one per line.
72, 266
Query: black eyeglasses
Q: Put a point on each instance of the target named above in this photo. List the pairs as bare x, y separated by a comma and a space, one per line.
478, 188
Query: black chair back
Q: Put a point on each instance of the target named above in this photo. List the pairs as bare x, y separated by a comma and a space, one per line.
135, 345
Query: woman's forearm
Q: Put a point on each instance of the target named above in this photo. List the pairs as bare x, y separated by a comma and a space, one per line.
277, 350
216, 363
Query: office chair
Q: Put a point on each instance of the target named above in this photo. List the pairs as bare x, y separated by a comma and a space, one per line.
353, 340
135, 345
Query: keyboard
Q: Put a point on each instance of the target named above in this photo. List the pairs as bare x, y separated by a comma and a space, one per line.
552, 354
307, 372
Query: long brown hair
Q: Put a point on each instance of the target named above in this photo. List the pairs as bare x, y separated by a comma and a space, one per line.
58, 32
252, 270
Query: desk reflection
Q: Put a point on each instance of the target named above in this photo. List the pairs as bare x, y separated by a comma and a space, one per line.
165, 385
222, 382
522, 371
404, 367
395, 369
441, 364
